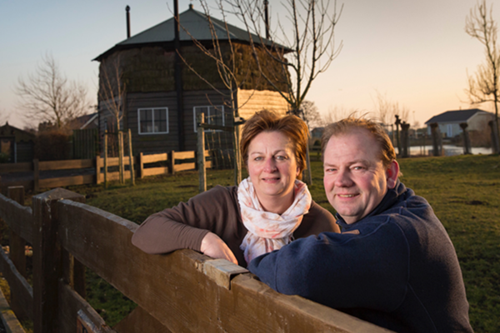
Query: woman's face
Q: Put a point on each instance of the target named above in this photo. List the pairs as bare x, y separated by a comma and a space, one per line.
272, 167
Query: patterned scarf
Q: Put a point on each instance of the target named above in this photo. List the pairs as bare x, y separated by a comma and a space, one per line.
269, 231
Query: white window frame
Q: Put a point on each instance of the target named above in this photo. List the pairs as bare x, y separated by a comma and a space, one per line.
152, 120
207, 116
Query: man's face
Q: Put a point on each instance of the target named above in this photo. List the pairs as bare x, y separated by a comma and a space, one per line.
355, 178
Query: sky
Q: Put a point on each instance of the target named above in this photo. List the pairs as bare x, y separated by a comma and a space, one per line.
414, 53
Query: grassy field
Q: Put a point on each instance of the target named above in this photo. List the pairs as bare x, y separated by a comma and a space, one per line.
463, 190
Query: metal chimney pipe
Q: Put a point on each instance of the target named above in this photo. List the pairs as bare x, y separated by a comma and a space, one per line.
266, 13
127, 9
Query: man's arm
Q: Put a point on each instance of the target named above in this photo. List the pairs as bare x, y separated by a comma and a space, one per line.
340, 271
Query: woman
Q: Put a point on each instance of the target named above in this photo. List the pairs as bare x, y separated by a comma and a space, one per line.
266, 211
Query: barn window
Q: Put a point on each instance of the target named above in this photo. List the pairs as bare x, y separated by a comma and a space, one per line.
153, 120
214, 115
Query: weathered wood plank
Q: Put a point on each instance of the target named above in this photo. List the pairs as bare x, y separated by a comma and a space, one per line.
18, 284
9, 319
154, 158
18, 218
139, 321
66, 181
175, 290
16, 167
27, 184
184, 167
154, 171
17, 253
65, 164
71, 305
47, 268
181, 155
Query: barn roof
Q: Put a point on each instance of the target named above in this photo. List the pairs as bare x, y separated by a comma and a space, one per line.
192, 21
454, 116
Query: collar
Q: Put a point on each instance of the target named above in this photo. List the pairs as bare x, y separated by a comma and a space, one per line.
391, 197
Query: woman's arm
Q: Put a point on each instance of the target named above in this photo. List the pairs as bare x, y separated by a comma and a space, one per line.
192, 225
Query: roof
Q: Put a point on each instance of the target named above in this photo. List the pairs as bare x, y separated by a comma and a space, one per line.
11, 131
454, 116
83, 122
197, 23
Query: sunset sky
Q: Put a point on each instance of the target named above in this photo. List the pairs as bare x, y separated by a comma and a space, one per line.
415, 53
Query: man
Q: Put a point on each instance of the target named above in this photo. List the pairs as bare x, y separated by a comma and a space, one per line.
393, 264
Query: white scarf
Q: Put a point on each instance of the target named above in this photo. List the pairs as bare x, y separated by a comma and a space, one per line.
269, 231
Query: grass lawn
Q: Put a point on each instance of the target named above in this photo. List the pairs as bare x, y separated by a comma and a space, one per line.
463, 190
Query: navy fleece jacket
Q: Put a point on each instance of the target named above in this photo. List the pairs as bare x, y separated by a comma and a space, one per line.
396, 268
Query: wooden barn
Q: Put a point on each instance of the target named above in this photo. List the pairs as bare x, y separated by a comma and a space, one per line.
161, 95
16, 145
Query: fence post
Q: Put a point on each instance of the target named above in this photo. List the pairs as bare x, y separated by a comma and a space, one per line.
435, 133
494, 137
47, 268
131, 157
98, 169
141, 166
36, 176
201, 153
17, 251
172, 162
121, 166
106, 158
467, 149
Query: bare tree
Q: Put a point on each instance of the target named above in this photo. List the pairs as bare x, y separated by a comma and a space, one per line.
308, 51
386, 110
309, 112
338, 113
309, 46
483, 86
225, 53
112, 89
49, 96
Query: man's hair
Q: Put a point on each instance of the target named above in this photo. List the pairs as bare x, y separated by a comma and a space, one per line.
345, 126
266, 121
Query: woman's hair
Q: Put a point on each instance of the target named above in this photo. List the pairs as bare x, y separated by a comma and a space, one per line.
345, 126
266, 121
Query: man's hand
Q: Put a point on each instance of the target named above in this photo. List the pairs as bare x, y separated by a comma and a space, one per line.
214, 247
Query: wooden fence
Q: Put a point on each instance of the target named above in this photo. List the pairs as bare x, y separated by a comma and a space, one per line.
144, 165
181, 292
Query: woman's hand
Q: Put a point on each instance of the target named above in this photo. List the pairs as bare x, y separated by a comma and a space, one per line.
214, 247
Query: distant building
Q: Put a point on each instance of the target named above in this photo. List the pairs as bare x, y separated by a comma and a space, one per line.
449, 121
317, 132
160, 118
16, 145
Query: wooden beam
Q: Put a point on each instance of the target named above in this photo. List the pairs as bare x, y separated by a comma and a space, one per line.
47, 268
66, 164
18, 218
9, 319
74, 308
17, 253
176, 289
16, 167
67, 181
154, 158
139, 321
18, 285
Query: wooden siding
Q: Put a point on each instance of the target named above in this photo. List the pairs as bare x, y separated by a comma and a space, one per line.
252, 101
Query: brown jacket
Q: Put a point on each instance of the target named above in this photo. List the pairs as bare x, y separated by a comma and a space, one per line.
218, 211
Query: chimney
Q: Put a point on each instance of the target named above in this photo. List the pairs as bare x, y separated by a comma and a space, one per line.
127, 9
266, 13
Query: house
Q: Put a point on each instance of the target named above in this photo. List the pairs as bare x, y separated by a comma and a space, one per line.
449, 121
16, 145
88, 121
162, 96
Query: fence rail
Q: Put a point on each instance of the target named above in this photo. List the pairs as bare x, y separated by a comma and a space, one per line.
143, 167
181, 292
